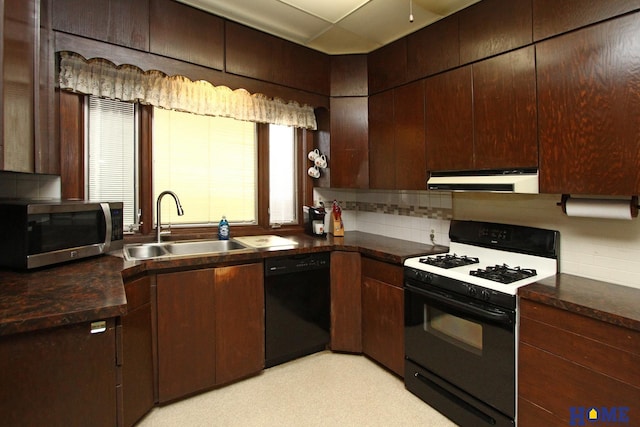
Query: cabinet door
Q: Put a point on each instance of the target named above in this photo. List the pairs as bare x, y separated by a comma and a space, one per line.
349, 161
346, 312
552, 17
383, 314
588, 109
137, 358
410, 162
186, 333
382, 166
59, 377
449, 120
505, 112
18, 30
491, 27
239, 330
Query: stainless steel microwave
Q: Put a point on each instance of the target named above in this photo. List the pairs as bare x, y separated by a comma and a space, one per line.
37, 233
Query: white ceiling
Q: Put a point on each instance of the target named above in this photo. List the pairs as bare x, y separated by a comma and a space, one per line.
335, 27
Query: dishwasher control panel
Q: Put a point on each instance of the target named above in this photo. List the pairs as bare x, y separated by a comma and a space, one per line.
296, 263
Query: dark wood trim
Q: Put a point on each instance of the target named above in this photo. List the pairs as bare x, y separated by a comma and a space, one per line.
71, 145
145, 168
263, 174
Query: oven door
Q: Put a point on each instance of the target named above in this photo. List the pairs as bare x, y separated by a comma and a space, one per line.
467, 343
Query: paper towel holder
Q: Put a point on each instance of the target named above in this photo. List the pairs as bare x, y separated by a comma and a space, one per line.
633, 204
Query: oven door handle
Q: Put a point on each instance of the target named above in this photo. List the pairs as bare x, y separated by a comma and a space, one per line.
500, 317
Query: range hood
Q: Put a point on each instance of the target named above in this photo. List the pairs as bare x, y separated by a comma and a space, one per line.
497, 181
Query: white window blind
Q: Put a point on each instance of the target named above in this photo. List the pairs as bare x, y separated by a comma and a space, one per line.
210, 163
282, 175
111, 154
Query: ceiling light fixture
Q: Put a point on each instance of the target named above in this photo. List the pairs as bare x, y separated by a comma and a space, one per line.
410, 10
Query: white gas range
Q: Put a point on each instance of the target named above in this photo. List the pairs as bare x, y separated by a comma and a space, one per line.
461, 318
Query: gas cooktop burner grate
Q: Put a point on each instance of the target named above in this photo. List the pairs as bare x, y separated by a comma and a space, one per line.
449, 261
504, 274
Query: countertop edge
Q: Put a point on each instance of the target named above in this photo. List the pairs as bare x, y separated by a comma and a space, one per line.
615, 304
58, 296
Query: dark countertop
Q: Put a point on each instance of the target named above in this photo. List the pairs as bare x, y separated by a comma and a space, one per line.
92, 289
615, 304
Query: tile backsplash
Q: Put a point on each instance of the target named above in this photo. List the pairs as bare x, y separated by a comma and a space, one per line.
601, 249
27, 185
407, 215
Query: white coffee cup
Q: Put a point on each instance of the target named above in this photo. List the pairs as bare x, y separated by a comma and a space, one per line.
314, 172
321, 161
313, 154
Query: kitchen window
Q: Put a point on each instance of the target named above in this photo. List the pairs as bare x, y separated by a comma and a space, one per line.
210, 163
217, 166
111, 155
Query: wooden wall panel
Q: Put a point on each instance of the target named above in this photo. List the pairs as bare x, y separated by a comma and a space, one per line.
183, 32
349, 75
552, 17
434, 48
387, 66
491, 27
121, 22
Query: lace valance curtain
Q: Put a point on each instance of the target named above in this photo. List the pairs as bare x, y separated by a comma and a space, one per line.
100, 77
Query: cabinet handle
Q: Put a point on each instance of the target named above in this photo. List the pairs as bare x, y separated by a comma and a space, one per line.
98, 327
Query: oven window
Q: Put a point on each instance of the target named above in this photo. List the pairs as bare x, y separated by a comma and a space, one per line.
453, 329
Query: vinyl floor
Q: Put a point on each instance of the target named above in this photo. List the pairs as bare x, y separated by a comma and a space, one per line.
323, 389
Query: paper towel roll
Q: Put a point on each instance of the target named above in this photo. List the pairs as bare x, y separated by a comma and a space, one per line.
599, 208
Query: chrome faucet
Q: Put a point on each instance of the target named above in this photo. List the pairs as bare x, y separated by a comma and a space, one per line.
178, 205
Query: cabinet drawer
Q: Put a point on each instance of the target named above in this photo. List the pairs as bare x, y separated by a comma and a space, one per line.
382, 271
612, 335
582, 350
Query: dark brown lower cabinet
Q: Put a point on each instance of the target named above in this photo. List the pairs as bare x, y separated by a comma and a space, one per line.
64, 376
210, 328
346, 309
569, 363
137, 357
383, 314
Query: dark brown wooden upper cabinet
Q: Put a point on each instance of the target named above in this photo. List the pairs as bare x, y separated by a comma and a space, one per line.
588, 109
552, 17
121, 22
433, 49
349, 75
349, 158
504, 111
183, 32
387, 66
449, 120
255, 54
411, 166
382, 166
491, 27
396, 138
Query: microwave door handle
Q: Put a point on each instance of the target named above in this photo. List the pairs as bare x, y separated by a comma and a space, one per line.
107, 217
501, 317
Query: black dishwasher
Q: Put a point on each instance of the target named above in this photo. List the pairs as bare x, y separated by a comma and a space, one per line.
297, 304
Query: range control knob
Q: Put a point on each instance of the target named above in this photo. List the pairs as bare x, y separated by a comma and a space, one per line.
485, 295
472, 291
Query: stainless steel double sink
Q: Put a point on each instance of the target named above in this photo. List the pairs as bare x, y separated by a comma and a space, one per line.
145, 251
